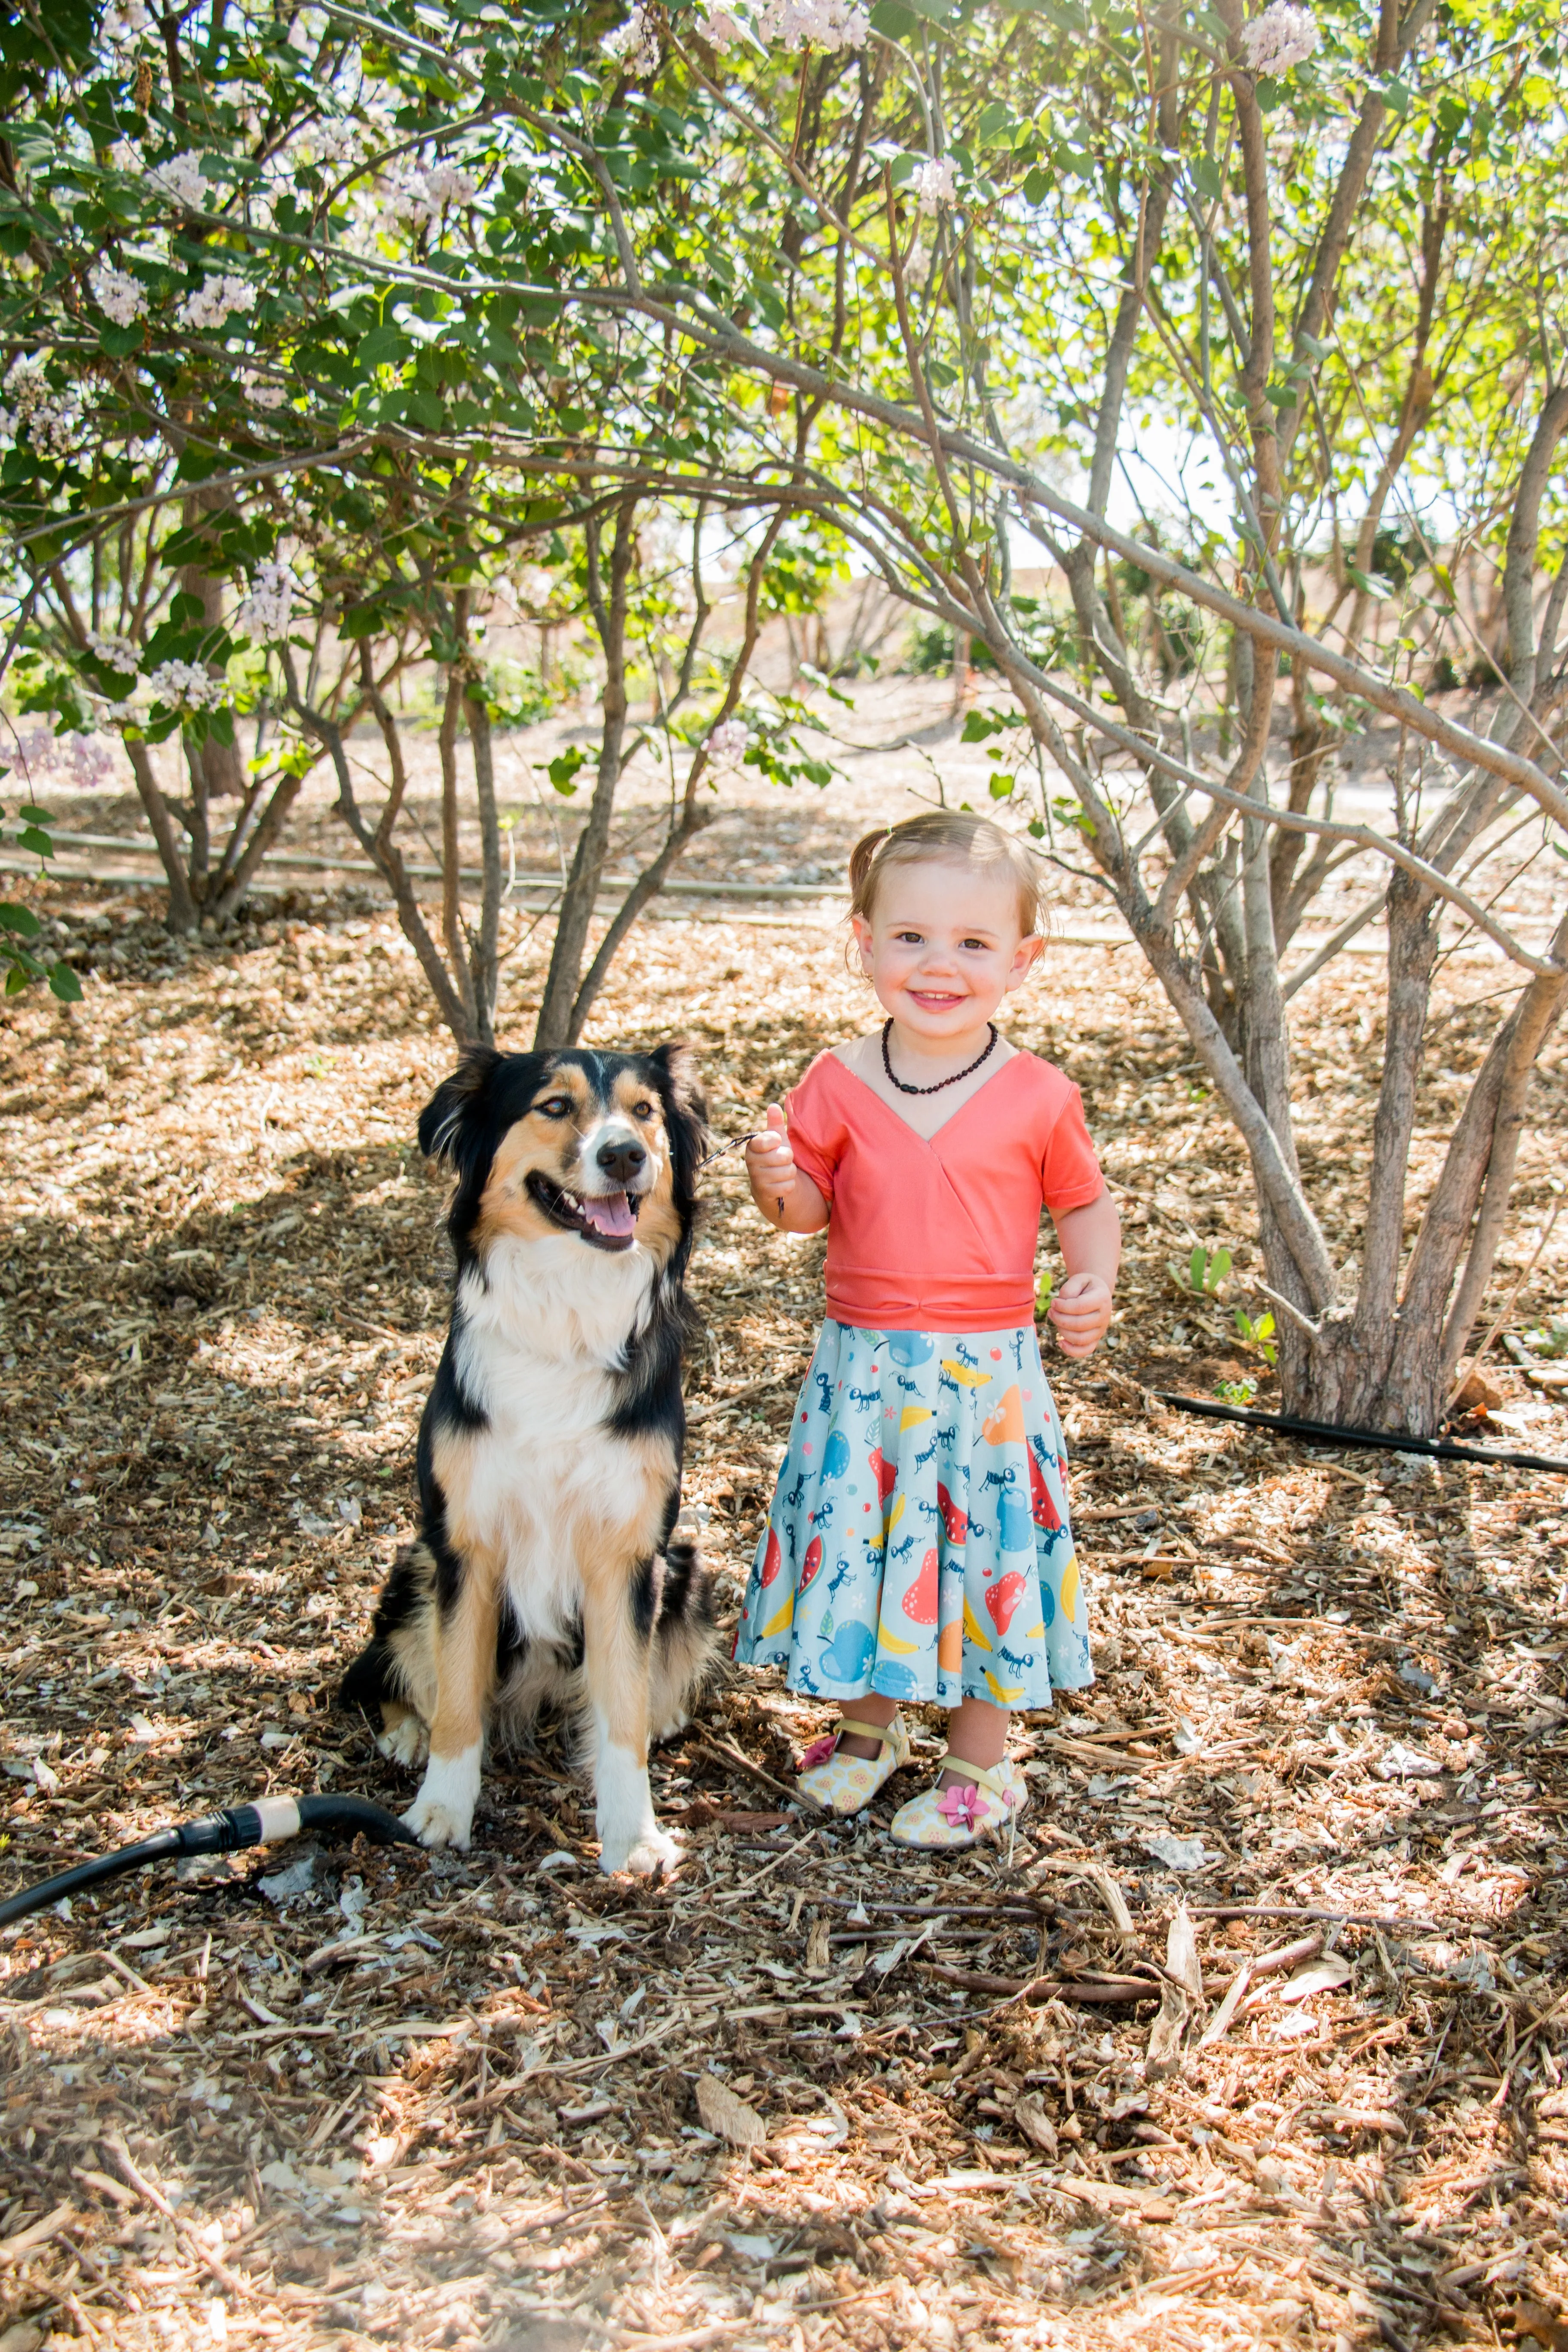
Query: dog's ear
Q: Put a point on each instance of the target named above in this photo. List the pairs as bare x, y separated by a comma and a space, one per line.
452, 1115
686, 1113
678, 1063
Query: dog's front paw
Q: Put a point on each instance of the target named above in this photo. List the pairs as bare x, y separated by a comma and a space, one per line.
403, 1740
642, 1853
435, 1824
443, 1811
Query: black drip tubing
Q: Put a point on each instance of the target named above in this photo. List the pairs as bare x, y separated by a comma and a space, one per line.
266, 1822
1328, 1432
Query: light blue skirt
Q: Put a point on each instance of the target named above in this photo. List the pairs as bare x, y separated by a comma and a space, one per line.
918, 1543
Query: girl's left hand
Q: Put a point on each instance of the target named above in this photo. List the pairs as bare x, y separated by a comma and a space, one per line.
1081, 1313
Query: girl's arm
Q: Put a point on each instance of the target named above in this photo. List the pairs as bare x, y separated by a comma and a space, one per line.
789, 1201
1091, 1240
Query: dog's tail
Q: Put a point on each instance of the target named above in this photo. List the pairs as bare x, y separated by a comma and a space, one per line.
380, 1674
370, 1679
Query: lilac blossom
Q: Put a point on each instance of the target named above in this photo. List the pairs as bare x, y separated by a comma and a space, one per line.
212, 302
1281, 38
815, 24
634, 44
935, 183
117, 294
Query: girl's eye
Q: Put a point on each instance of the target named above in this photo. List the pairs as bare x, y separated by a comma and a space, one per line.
555, 1107
908, 938
979, 945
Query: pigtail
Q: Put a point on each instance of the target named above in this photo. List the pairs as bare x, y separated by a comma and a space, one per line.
862, 857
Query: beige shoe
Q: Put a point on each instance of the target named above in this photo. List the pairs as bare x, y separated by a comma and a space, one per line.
845, 1784
960, 1816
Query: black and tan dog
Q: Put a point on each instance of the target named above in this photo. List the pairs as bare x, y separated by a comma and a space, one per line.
550, 1450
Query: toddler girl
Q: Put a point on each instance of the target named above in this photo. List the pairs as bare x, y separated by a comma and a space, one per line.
917, 1547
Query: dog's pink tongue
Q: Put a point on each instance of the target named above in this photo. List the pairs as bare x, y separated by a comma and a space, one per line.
612, 1215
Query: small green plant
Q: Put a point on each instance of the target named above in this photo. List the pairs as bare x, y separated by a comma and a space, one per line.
1549, 1339
1259, 1335
1203, 1273
1238, 1392
1043, 1292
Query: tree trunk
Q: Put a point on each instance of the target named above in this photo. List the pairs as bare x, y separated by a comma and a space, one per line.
182, 917
555, 1027
484, 961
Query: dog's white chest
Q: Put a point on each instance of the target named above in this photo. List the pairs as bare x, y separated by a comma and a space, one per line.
547, 1478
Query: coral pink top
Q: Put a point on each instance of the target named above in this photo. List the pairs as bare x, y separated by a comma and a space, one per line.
940, 1236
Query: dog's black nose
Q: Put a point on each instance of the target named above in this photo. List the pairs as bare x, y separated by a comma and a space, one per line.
621, 1160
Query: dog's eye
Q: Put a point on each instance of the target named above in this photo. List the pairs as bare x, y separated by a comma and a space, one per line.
642, 1110
555, 1107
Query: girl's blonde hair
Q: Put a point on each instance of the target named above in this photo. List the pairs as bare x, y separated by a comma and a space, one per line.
950, 833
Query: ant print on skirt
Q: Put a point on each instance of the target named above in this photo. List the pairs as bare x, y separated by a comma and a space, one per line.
919, 1542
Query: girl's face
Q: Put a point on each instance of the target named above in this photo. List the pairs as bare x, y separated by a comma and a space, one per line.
943, 945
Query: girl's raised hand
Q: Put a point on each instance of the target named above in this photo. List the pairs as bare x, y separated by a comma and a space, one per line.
770, 1163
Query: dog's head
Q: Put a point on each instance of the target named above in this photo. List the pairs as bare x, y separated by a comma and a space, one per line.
594, 1150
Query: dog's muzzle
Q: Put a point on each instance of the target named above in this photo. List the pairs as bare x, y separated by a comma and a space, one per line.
619, 1170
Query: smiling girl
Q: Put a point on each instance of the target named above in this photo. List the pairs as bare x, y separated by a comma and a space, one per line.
919, 1546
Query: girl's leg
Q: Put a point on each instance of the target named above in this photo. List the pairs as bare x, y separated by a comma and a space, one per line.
872, 1708
978, 1732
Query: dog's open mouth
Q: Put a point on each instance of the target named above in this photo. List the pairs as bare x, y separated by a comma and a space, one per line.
607, 1220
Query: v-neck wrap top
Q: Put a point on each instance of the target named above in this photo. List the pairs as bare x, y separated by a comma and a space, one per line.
940, 1235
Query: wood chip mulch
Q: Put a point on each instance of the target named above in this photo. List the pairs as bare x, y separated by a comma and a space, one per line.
1257, 2034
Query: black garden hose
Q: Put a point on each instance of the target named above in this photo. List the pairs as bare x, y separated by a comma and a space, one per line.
267, 1821
1328, 1432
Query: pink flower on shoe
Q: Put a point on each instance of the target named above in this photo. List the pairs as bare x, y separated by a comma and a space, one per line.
821, 1751
961, 1807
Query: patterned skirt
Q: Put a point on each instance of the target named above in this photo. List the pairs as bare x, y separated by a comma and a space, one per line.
918, 1543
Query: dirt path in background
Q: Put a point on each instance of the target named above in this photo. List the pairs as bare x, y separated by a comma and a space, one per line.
453, 2101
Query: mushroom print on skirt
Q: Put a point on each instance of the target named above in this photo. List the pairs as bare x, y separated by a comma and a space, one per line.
919, 1543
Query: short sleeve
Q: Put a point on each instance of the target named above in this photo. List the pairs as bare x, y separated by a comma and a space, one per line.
816, 1131
1071, 1175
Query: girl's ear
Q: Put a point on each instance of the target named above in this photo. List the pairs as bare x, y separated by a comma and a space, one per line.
862, 930
1029, 951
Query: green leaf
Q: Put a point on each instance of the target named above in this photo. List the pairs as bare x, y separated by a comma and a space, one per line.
1002, 788
21, 920
1196, 1264
564, 767
39, 843
65, 984
1219, 1266
893, 20
1207, 179
30, 815
362, 621
1377, 590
